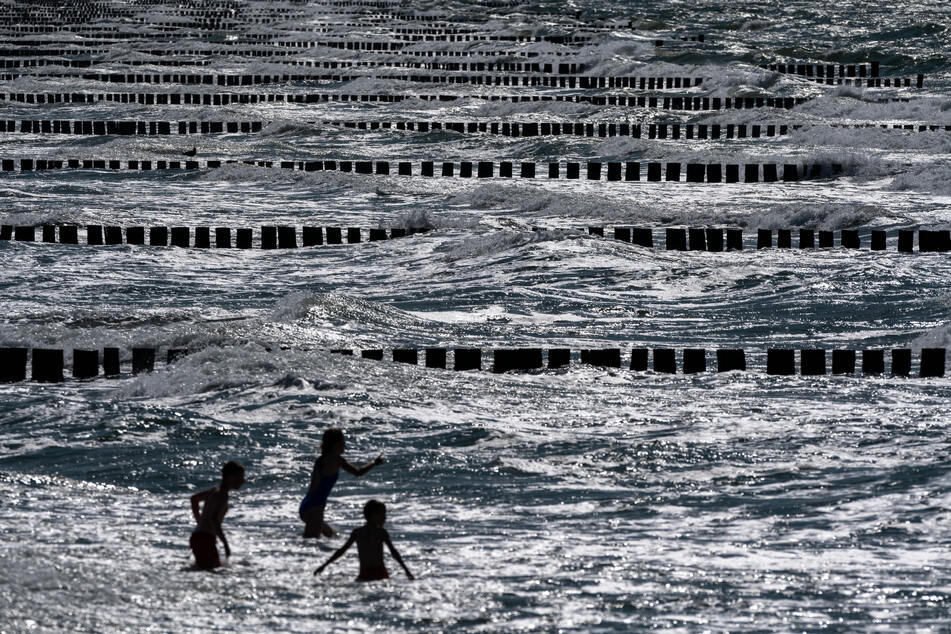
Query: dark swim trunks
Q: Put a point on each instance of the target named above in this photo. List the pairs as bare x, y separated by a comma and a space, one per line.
373, 574
206, 553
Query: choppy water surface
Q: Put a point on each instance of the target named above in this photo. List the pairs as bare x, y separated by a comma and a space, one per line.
583, 499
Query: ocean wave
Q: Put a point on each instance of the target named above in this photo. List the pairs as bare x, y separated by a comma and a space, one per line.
929, 178
219, 369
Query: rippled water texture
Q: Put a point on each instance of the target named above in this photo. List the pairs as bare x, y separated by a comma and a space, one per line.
580, 499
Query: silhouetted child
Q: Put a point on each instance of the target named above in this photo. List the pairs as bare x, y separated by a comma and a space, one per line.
370, 539
322, 480
211, 515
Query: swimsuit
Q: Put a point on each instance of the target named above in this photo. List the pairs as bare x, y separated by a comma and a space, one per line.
374, 573
206, 552
318, 497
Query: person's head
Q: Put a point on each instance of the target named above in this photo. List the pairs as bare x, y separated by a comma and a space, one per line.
232, 474
375, 512
332, 442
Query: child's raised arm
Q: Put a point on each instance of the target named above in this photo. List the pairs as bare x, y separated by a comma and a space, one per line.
337, 555
396, 555
359, 471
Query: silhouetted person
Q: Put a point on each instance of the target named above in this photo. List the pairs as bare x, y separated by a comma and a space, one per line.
322, 479
211, 515
191, 152
370, 539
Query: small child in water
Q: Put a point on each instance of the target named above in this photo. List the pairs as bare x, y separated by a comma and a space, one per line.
211, 515
322, 480
370, 539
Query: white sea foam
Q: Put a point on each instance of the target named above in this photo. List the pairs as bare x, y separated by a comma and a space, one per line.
583, 498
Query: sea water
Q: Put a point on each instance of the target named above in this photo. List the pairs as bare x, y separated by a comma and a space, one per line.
583, 499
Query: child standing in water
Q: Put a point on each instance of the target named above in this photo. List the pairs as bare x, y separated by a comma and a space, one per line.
322, 479
370, 539
209, 518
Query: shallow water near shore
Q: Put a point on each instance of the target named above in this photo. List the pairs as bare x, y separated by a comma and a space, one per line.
581, 499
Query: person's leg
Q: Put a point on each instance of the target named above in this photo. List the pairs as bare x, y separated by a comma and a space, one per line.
313, 521
327, 530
